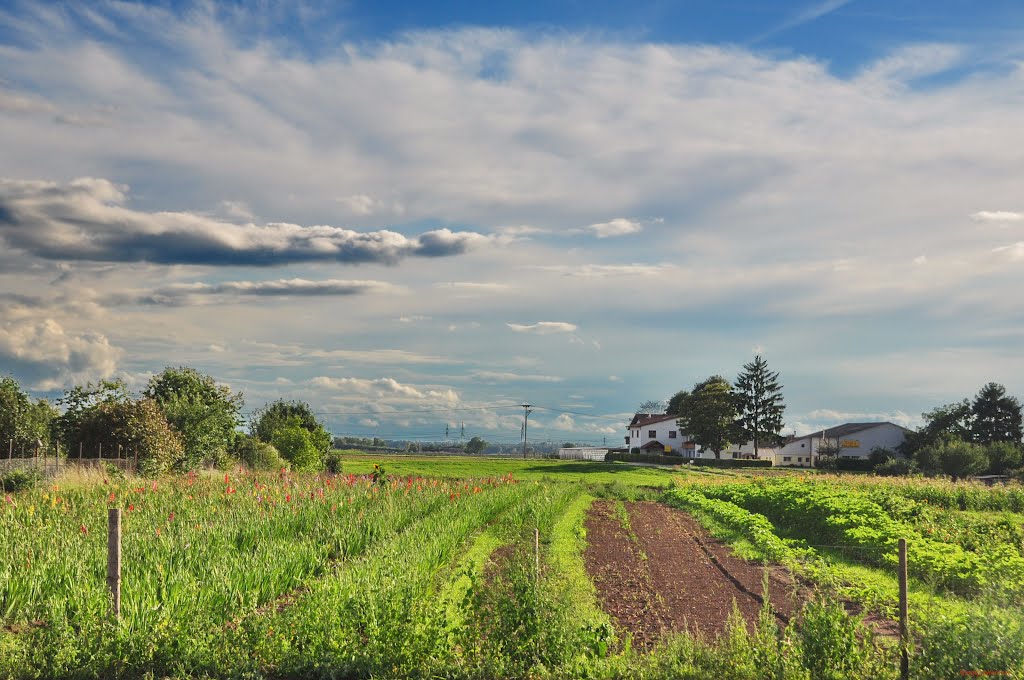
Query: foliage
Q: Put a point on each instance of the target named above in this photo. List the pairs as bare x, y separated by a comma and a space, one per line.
995, 417
333, 462
140, 428
957, 459
283, 414
296, 446
675, 404
759, 404
1003, 457
897, 467
708, 416
475, 446
880, 455
951, 421
258, 455
21, 420
204, 413
80, 405
19, 479
870, 526
651, 407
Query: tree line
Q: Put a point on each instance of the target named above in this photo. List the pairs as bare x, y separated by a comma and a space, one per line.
967, 437
181, 421
716, 414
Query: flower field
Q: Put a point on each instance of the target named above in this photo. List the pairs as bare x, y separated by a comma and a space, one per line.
431, 575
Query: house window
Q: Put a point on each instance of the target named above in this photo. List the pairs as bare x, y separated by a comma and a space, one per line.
799, 460
786, 459
735, 455
672, 434
801, 446
652, 433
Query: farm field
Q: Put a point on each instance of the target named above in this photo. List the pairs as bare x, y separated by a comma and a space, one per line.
432, 570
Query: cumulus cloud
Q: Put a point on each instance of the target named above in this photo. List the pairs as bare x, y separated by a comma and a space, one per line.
206, 293
543, 327
86, 219
997, 216
44, 354
386, 387
620, 226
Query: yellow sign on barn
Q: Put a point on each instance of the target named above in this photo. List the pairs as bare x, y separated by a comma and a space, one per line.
850, 444
668, 449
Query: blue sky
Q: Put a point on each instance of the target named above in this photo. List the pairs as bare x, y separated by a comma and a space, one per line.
412, 214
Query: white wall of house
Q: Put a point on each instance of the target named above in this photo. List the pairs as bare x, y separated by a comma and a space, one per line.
859, 444
665, 432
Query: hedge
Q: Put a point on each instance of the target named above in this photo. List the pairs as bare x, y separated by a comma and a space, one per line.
679, 460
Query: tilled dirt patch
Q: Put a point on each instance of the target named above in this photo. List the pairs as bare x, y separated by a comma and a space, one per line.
674, 576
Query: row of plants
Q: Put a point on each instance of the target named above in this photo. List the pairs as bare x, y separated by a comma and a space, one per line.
842, 516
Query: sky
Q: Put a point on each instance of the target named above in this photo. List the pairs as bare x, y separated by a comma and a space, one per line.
414, 215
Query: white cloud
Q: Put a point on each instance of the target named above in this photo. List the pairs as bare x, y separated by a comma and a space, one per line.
614, 378
543, 327
997, 216
44, 354
386, 387
620, 226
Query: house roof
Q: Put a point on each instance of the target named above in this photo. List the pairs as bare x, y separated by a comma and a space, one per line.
845, 430
653, 444
643, 419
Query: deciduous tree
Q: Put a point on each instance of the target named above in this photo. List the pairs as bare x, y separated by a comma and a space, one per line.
709, 415
204, 413
283, 414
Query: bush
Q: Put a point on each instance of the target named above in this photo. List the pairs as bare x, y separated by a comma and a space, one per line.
257, 455
897, 467
296, 445
333, 462
19, 480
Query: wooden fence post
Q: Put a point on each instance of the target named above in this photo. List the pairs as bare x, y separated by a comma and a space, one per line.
10, 451
79, 452
56, 457
904, 623
114, 559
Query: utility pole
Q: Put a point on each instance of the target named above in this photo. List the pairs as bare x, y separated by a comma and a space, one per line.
526, 420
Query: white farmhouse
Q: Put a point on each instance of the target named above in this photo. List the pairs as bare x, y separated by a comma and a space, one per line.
658, 433
855, 440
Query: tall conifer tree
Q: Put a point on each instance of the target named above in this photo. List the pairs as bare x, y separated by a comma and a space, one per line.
759, 403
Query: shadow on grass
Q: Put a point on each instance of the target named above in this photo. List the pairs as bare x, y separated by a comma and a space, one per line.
583, 467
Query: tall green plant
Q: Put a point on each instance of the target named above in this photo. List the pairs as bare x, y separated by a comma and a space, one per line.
760, 404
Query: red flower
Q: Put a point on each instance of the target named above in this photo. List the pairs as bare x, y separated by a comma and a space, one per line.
83, 529
131, 507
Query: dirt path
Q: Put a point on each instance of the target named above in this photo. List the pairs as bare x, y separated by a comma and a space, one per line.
671, 575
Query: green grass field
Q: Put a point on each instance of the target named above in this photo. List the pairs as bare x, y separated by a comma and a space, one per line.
465, 467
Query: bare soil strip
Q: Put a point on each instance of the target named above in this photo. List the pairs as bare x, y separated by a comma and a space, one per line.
675, 577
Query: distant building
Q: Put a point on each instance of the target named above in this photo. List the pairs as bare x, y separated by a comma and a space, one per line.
855, 440
582, 453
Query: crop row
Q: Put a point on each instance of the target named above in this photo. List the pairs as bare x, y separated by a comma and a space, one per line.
848, 518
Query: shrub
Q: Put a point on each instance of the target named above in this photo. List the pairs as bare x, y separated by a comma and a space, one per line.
257, 455
333, 462
296, 445
897, 467
19, 480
